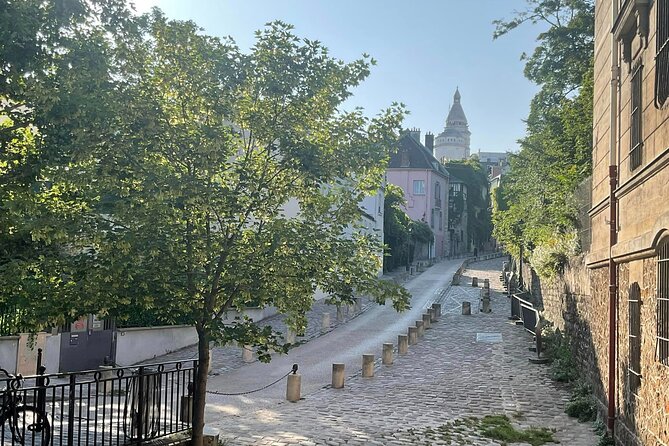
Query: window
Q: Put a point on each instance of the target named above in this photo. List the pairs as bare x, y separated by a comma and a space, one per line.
437, 194
418, 187
663, 302
634, 337
441, 224
662, 56
636, 143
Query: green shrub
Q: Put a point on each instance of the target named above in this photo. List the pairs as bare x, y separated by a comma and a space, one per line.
581, 404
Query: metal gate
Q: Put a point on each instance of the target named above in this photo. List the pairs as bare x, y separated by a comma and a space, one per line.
87, 343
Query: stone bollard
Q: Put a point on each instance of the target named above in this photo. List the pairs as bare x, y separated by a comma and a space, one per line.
367, 366
456, 279
247, 353
485, 292
186, 409
290, 336
210, 436
358, 304
211, 361
413, 335
402, 344
426, 320
421, 328
387, 354
340, 313
293, 387
475, 282
325, 323
466, 308
433, 315
486, 284
485, 305
338, 375
437, 311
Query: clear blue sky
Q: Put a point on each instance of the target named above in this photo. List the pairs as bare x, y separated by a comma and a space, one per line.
424, 49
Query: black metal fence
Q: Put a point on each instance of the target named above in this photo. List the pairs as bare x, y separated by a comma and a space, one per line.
119, 406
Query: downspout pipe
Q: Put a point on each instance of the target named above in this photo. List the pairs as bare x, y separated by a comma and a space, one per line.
613, 222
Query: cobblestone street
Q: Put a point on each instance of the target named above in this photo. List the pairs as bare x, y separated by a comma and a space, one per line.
448, 376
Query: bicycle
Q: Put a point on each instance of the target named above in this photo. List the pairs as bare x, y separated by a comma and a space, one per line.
28, 424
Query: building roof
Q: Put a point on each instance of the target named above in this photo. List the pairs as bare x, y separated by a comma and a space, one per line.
414, 155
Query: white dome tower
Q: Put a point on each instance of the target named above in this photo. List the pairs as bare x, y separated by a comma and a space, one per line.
453, 142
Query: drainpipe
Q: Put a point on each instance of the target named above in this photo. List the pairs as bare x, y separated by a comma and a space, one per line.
613, 228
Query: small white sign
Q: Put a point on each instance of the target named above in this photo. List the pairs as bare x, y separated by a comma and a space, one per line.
489, 337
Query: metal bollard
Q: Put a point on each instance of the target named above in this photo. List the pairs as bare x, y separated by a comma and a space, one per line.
426, 320
367, 366
413, 335
325, 323
338, 375
293, 387
387, 354
421, 328
466, 308
402, 344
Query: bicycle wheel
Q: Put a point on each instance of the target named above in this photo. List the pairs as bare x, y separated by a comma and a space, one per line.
29, 426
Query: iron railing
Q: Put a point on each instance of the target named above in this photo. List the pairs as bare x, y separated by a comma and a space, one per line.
115, 406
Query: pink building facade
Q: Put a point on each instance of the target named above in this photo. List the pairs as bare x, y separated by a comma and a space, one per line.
425, 183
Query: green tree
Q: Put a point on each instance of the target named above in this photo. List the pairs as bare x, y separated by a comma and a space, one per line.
56, 89
235, 179
535, 204
478, 201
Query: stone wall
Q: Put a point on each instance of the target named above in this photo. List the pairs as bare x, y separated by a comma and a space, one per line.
577, 302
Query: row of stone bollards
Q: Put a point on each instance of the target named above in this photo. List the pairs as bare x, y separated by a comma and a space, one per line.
403, 343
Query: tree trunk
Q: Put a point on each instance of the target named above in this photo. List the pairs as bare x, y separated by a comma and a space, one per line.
200, 387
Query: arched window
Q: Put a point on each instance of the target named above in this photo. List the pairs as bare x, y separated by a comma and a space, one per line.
663, 302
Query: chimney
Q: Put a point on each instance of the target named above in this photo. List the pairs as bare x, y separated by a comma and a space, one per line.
429, 141
415, 134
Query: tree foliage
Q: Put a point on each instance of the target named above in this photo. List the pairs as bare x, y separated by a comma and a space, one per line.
477, 206
148, 166
535, 205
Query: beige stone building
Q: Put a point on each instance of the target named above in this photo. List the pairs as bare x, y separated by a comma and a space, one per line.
629, 220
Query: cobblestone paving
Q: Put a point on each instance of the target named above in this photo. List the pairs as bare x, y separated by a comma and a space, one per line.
447, 376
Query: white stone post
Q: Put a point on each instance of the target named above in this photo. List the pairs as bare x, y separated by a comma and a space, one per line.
421, 328
413, 335
293, 387
402, 344
247, 353
426, 320
325, 323
387, 354
338, 375
367, 366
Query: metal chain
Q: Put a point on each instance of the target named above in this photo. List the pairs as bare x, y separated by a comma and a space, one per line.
292, 370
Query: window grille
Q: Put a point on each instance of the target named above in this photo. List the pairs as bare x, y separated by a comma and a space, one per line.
636, 142
662, 56
634, 369
663, 303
